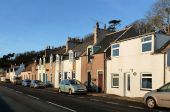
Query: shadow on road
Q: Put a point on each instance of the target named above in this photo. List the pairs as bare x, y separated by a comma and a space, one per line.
4, 107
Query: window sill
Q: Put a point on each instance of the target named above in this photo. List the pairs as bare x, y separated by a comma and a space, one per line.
114, 87
146, 89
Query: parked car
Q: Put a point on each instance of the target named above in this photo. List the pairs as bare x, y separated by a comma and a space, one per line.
48, 84
159, 97
26, 82
37, 84
91, 87
17, 80
72, 86
7, 81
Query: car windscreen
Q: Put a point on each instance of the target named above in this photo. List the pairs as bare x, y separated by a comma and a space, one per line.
74, 82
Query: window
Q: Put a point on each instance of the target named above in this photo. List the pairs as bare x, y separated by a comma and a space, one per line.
146, 44
165, 88
57, 58
115, 50
89, 51
73, 75
115, 80
71, 56
146, 81
65, 75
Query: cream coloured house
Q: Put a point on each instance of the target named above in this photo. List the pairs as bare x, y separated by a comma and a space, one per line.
136, 66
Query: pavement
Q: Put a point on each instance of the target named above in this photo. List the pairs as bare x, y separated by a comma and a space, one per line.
134, 99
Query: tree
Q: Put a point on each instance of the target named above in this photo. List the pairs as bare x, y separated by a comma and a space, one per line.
113, 24
159, 15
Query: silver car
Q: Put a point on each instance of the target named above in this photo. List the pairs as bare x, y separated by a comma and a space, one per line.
37, 84
26, 82
72, 86
159, 97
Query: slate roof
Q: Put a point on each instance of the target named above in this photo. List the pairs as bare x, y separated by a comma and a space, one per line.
163, 47
116, 36
81, 48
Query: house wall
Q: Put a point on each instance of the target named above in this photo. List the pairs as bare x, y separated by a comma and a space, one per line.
94, 67
78, 69
26, 75
131, 60
50, 69
67, 67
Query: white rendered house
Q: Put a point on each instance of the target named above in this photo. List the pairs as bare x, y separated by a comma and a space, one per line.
135, 67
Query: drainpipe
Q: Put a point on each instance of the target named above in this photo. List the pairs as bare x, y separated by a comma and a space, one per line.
164, 67
105, 73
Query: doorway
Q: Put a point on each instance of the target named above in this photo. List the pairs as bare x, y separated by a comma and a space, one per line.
100, 81
127, 84
89, 79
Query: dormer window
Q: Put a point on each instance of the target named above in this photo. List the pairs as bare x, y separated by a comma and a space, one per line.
71, 55
146, 44
89, 54
57, 58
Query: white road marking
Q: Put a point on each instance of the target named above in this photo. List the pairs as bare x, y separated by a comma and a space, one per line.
33, 97
19, 92
136, 107
61, 106
94, 100
113, 103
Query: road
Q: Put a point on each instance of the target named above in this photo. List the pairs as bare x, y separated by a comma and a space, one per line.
22, 99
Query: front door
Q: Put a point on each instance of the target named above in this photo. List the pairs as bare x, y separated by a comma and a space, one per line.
100, 81
127, 84
89, 79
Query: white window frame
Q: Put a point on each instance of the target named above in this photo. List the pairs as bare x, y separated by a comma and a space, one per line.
146, 77
71, 56
57, 58
115, 75
145, 42
117, 48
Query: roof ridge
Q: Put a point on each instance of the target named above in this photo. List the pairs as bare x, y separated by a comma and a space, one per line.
127, 29
118, 31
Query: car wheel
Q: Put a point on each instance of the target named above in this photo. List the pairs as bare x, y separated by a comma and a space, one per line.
59, 90
151, 103
70, 92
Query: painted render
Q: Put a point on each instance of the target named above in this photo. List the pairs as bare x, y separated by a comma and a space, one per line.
132, 61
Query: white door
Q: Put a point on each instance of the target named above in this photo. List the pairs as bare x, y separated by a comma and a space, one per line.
127, 84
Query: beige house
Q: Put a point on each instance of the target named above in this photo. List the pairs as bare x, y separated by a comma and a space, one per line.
137, 65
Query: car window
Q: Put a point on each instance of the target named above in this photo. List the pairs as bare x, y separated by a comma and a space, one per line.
165, 88
74, 82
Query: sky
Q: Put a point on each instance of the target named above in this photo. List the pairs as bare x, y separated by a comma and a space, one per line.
27, 25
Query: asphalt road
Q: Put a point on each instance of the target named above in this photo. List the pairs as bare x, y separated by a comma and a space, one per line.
22, 99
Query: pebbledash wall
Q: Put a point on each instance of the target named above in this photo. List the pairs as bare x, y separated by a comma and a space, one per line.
132, 67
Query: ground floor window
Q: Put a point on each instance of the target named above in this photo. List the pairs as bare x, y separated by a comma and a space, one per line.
115, 80
73, 75
65, 75
146, 81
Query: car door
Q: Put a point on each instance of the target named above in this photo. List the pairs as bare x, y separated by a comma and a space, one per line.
163, 96
62, 85
67, 86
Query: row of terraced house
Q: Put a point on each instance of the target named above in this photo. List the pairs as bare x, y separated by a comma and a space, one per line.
124, 62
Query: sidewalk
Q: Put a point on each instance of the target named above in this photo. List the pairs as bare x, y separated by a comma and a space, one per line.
134, 99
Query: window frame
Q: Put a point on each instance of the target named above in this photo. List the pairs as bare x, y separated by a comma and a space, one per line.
57, 58
116, 48
142, 77
71, 56
143, 41
114, 75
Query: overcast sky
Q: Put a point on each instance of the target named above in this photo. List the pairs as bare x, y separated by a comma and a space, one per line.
27, 25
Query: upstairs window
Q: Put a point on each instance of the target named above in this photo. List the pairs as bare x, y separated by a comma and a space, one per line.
168, 58
115, 50
146, 44
89, 53
57, 58
71, 55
